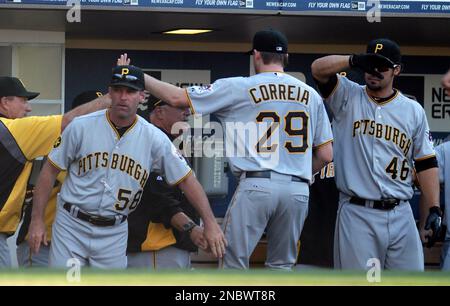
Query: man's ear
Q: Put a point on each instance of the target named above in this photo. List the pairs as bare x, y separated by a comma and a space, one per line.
397, 70
3, 101
158, 112
142, 96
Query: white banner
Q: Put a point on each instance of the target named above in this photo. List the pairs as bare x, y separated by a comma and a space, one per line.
436, 104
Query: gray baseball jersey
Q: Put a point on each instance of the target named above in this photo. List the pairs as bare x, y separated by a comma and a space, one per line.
106, 173
287, 116
443, 157
272, 121
105, 177
375, 144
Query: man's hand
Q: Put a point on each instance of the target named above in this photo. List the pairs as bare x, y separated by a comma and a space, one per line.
368, 62
37, 235
197, 238
215, 238
430, 233
123, 60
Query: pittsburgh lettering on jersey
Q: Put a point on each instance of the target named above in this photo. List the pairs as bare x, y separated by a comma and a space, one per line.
387, 132
279, 92
123, 163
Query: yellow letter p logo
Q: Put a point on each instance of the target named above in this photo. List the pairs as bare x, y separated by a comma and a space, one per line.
125, 71
378, 47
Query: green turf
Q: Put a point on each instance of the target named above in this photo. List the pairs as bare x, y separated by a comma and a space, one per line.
218, 278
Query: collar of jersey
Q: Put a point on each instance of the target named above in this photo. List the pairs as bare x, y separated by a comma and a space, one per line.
114, 128
271, 72
383, 103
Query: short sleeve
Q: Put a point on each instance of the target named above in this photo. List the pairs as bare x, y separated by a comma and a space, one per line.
64, 148
423, 145
440, 156
168, 161
35, 135
211, 98
341, 96
323, 133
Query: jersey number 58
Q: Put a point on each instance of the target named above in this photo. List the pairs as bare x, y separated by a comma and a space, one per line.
124, 196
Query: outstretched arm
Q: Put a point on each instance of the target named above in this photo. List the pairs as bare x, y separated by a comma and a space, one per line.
179, 222
167, 92
95, 105
197, 197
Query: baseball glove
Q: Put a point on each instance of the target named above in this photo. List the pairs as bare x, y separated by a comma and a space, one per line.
367, 62
433, 222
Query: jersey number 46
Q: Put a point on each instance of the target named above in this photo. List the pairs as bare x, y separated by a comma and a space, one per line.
398, 169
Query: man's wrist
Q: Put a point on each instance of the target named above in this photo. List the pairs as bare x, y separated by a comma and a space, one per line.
350, 60
437, 209
188, 227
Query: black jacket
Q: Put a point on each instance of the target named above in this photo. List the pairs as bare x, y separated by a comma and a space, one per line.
159, 203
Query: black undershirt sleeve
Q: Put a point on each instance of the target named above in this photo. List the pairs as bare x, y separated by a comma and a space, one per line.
327, 88
426, 164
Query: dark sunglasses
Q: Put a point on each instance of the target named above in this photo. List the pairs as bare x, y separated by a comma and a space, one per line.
127, 77
386, 68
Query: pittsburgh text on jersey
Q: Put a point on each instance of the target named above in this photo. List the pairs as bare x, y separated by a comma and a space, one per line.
279, 92
387, 132
122, 162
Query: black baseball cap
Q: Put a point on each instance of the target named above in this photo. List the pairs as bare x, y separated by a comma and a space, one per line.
11, 86
129, 76
86, 96
270, 41
387, 48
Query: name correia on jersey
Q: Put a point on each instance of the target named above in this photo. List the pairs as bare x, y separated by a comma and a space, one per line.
121, 162
279, 92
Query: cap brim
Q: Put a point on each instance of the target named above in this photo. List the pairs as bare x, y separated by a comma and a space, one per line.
29, 95
133, 86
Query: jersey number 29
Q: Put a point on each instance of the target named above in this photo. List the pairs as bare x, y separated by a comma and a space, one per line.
302, 132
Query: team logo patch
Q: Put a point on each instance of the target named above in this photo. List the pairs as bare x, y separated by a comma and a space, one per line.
57, 142
429, 136
203, 88
177, 153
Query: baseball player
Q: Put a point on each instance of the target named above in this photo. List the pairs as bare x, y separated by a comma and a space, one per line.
443, 158
108, 156
274, 165
24, 256
21, 141
380, 136
164, 229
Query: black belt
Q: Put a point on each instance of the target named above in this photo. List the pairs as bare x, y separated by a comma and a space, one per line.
93, 219
267, 174
386, 204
